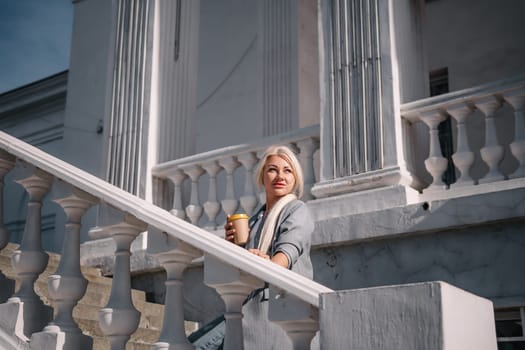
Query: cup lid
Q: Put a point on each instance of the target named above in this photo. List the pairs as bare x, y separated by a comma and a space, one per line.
238, 216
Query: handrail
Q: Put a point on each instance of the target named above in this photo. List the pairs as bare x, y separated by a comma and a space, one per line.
161, 170
410, 110
293, 283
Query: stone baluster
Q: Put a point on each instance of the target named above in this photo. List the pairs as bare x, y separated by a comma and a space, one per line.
176, 177
516, 98
230, 202
298, 319
307, 148
194, 209
463, 157
212, 207
233, 285
67, 286
7, 286
492, 153
435, 164
174, 256
249, 199
119, 319
25, 313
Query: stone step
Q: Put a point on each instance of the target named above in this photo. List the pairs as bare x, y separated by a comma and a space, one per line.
141, 335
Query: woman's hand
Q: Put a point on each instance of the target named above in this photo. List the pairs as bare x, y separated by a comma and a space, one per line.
279, 258
259, 253
229, 231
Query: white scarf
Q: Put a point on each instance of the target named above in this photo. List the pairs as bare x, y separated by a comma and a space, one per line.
271, 220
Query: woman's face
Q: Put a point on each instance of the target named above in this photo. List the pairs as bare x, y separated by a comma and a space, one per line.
278, 178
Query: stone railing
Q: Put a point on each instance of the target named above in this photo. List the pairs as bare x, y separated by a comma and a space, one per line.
227, 162
231, 270
487, 133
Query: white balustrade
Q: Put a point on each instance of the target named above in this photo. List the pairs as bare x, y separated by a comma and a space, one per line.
516, 98
298, 319
67, 285
492, 153
119, 319
464, 107
230, 203
194, 209
234, 286
212, 207
7, 162
307, 148
237, 163
123, 216
26, 308
177, 176
249, 199
463, 157
174, 256
436, 164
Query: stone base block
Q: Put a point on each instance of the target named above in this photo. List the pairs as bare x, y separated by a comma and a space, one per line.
53, 338
24, 318
430, 316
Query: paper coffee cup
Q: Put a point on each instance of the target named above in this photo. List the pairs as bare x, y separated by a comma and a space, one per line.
240, 224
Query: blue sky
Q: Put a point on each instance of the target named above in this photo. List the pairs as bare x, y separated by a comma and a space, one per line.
35, 36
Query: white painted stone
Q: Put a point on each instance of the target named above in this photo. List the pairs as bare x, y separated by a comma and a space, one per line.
430, 316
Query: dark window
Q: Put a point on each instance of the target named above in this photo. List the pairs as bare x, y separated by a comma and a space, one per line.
509, 328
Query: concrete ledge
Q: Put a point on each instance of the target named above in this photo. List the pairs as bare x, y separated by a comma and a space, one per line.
430, 316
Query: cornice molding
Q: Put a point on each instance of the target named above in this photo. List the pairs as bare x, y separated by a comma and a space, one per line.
48, 93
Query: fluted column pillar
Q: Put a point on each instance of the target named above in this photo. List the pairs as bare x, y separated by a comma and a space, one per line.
233, 285
174, 256
119, 319
24, 312
492, 152
67, 285
516, 99
463, 157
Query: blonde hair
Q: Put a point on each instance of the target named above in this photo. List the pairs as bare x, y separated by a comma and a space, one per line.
289, 156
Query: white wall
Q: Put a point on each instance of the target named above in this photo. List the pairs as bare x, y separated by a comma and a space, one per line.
479, 41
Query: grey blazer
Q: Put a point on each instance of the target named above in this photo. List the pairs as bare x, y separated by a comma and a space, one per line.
292, 235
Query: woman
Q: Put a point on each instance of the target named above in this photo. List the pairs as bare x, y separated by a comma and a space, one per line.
279, 231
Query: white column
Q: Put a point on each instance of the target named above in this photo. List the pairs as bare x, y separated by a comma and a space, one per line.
249, 199
24, 312
212, 207
492, 153
119, 319
233, 285
516, 99
194, 209
463, 157
174, 256
174, 76
230, 203
67, 285
435, 164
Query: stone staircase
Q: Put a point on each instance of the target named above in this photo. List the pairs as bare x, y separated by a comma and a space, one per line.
96, 297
